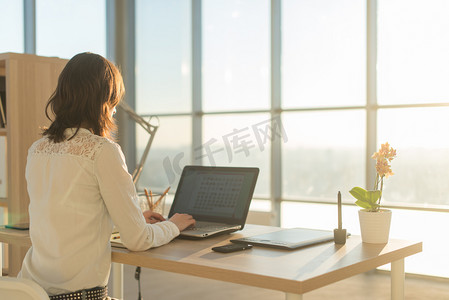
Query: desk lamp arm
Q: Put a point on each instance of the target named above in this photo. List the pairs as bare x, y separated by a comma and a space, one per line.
151, 129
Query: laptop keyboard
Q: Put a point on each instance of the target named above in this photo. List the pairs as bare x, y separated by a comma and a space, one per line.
201, 225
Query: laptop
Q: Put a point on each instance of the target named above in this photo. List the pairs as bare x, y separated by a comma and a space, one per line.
289, 239
218, 198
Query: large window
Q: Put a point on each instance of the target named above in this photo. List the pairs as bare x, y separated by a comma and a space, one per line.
413, 65
421, 169
323, 70
236, 62
234, 140
344, 88
11, 24
324, 153
65, 28
170, 152
163, 56
413, 71
323, 53
235, 77
164, 88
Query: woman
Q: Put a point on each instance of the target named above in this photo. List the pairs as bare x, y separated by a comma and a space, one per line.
79, 187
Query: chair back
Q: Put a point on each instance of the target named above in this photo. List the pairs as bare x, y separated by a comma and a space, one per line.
12, 288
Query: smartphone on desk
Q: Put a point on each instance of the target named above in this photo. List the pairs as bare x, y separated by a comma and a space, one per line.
232, 248
19, 226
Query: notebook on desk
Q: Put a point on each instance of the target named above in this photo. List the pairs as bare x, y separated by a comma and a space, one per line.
289, 238
218, 198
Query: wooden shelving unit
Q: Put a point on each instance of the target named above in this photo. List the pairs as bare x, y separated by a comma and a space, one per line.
2, 74
30, 81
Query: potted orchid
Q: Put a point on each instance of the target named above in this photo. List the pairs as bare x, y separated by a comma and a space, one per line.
374, 221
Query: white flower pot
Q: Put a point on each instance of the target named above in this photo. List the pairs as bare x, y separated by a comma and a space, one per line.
375, 226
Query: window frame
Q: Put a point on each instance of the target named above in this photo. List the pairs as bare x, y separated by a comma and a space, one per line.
371, 106
121, 54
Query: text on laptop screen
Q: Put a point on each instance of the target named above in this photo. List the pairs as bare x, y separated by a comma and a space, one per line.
214, 193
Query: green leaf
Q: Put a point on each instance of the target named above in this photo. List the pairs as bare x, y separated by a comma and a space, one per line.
373, 196
366, 199
359, 193
363, 204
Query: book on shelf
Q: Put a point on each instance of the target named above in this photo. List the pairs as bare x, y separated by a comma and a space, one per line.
3, 170
2, 111
2, 102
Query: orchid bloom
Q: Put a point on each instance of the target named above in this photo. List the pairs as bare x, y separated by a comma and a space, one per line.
383, 157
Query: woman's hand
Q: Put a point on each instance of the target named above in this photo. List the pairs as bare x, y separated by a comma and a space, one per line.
152, 217
182, 221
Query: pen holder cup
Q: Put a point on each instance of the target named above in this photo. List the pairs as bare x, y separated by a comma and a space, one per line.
158, 203
340, 236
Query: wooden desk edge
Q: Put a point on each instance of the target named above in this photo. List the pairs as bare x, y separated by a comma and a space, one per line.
123, 256
359, 268
208, 272
263, 281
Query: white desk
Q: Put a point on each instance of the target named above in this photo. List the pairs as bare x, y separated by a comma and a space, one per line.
293, 272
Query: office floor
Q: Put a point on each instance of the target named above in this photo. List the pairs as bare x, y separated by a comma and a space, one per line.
369, 286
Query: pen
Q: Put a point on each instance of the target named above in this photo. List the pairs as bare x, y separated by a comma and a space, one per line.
151, 199
340, 234
339, 211
162, 196
150, 204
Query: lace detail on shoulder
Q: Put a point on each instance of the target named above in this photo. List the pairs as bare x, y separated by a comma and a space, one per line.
83, 144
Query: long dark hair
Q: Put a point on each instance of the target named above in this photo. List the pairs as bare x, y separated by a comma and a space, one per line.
89, 88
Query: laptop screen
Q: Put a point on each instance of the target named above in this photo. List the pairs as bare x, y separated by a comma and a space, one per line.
221, 194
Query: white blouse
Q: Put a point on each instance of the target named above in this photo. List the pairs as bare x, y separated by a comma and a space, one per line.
78, 190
